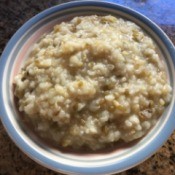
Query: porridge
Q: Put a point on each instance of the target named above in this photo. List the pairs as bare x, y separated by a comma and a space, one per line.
93, 81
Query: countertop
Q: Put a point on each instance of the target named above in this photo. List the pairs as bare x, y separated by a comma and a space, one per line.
12, 15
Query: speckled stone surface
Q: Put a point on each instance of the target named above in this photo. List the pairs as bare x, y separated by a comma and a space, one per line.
12, 15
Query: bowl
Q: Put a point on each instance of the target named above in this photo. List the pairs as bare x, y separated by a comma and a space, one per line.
15, 53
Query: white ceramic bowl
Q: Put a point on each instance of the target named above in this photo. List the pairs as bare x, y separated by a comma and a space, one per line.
100, 163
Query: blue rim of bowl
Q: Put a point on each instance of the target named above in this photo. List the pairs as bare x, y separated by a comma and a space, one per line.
108, 169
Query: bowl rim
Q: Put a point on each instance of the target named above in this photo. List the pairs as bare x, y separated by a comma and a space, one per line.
108, 169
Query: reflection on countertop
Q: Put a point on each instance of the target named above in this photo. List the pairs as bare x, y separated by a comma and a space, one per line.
12, 15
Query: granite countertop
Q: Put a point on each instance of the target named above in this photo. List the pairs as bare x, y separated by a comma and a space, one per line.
12, 15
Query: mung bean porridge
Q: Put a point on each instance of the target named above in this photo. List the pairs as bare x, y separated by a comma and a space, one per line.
93, 81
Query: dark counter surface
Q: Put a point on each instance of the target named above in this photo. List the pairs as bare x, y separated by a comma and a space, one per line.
12, 15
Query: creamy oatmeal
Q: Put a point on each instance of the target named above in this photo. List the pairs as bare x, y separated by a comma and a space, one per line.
93, 81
